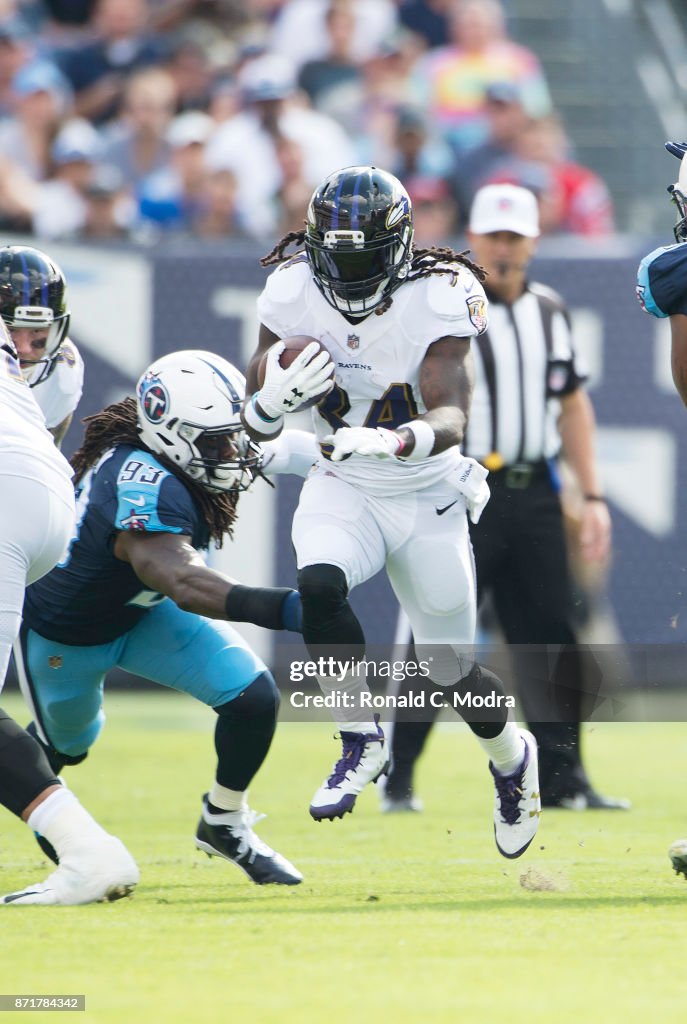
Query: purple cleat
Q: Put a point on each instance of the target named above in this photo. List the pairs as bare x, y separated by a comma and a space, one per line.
518, 806
363, 759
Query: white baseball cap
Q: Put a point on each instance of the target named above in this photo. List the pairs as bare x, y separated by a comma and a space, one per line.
505, 208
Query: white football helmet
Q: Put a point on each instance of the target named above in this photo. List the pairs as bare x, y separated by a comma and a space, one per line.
188, 407
678, 191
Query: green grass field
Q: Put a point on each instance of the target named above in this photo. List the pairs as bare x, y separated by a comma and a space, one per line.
406, 918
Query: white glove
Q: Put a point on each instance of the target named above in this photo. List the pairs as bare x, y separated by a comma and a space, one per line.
384, 444
285, 390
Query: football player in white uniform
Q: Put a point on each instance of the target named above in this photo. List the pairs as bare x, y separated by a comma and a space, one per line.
662, 292
33, 304
36, 523
391, 489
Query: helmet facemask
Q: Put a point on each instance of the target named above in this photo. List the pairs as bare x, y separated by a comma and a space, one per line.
358, 239
354, 275
34, 318
222, 459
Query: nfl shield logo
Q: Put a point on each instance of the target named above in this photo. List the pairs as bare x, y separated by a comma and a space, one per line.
55, 661
353, 341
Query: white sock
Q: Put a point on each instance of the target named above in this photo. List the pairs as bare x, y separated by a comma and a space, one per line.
227, 799
506, 751
62, 820
348, 713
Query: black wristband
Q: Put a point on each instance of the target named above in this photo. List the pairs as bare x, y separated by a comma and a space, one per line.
595, 497
260, 605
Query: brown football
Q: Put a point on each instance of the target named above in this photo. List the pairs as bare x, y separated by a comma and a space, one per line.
293, 346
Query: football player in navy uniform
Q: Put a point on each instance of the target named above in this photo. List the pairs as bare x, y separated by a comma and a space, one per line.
36, 521
391, 489
158, 477
662, 292
33, 304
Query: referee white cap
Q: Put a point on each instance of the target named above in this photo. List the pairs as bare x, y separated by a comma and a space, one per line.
505, 208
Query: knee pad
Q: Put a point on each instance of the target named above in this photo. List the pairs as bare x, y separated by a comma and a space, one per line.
260, 698
323, 588
328, 619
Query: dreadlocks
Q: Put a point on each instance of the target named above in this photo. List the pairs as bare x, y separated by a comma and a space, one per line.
424, 262
278, 254
117, 424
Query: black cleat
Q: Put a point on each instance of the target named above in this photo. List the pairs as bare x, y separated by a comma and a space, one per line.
587, 799
231, 836
678, 856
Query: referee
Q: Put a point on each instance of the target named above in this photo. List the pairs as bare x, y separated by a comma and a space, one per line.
528, 405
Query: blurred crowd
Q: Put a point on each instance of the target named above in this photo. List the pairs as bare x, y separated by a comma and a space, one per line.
146, 119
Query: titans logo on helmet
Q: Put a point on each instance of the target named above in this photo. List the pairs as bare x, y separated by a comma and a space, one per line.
154, 398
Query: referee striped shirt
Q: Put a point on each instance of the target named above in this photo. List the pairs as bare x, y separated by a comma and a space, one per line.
524, 364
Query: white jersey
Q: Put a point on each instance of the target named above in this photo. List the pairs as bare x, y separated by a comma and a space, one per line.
377, 360
58, 395
294, 451
23, 429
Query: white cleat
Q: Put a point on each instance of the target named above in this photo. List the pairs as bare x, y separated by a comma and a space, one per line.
363, 759
99, 872
518, 804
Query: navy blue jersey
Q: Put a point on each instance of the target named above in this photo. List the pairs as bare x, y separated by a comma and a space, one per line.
92, 597
662, 281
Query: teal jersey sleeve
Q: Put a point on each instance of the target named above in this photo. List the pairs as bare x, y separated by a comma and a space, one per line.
662, 281
151, 499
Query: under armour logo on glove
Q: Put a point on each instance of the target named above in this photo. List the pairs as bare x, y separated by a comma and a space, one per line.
296, 400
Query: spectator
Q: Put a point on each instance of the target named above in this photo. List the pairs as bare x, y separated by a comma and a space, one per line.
452, 81
42, 99
294, 194
98, 71
59, 207
368, 110
427, 19
174, 195
506, 121
109, 208
219, 215
54, 208
577, 200
247, 143
137, 143
66, 23
416, 150
15, 51
225, 101
434, 210
299, 31
190, 66
339, 65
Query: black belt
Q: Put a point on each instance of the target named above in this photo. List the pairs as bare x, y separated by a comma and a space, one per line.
519, 475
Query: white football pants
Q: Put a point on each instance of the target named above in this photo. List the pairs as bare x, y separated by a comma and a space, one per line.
36, 524
422, 540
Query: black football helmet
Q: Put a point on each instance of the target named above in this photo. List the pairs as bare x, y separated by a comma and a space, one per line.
678, 191
33, 294
358, 238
